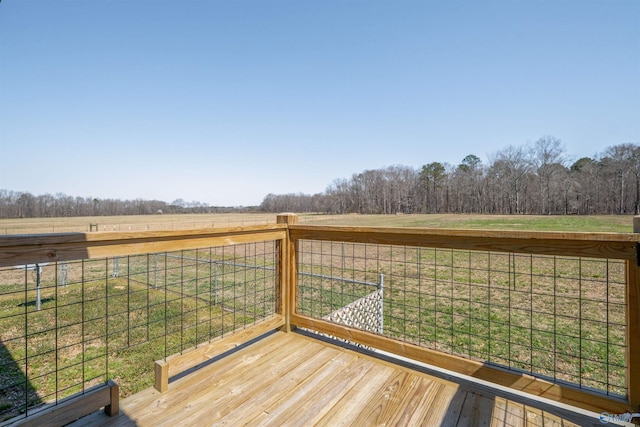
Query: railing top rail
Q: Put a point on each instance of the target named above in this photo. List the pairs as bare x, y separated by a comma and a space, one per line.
596, 245
563, 235
35, 248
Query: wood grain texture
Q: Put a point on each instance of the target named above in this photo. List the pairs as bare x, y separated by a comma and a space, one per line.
287, 379
75, 407
177, 363
633, 333
24, 249
286, 274
476, 369
595, 245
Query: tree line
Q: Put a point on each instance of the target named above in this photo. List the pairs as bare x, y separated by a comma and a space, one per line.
25, 205
538, 178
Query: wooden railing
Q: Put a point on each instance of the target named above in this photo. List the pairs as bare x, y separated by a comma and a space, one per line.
106, 305
423, 298
607, 302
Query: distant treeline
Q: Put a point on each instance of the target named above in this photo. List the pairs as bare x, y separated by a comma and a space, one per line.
539, 178
532, 179
25, 205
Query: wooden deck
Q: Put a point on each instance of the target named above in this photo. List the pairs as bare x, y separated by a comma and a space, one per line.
297, 380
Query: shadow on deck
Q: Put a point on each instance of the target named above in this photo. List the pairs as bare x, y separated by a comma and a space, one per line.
299, 379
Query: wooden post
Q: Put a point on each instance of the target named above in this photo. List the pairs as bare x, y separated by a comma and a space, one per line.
113, 408
286, 271
161, 370
633, 329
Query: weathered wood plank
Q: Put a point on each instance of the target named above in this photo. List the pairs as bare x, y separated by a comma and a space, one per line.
226, 390
325, 396
445, 408
288, 379
499, 413
74, 407
347, 409
113, 407
515, 414
454, 409
412, 408
596, 245
380, 410
206, 351
164, 369
23, 249
304, 364
290, 403
118, 236
433, 405
191, 390
476, 411
633, 333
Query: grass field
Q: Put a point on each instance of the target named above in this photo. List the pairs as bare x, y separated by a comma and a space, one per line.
595, 223
131, 223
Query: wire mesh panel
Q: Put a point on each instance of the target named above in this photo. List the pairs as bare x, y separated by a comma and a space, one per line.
67, 326
560, 318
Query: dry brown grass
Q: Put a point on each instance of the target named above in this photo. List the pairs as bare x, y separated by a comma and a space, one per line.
132, 223
594, 223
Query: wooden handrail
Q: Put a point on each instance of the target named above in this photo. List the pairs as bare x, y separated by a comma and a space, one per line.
39, 248
591, 245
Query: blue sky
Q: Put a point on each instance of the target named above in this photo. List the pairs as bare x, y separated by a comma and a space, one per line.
224, 102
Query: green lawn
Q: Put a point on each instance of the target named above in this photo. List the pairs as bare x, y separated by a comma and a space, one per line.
575, 223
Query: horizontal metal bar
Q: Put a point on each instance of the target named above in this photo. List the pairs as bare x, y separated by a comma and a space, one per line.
341, 279
258, 267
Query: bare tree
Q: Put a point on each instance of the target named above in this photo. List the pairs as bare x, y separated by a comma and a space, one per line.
585, 177
548, 161
468, 184
619, 166
513, 164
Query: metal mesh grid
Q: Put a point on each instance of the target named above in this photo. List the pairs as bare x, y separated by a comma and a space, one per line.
112, 318
559, 318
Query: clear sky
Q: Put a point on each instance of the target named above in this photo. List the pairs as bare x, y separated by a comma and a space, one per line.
223, 102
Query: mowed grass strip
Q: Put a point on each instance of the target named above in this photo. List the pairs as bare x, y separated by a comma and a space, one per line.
568, 223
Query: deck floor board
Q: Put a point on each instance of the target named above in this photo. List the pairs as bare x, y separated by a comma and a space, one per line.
292, 379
